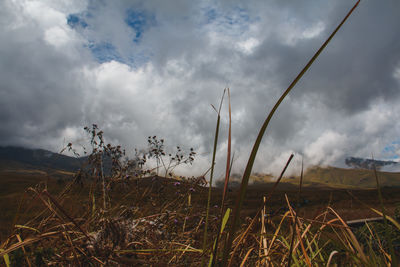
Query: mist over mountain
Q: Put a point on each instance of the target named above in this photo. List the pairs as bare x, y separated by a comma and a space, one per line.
369, 164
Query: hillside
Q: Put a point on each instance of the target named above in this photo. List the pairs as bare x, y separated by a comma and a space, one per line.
18, 157
347, 178
326, 177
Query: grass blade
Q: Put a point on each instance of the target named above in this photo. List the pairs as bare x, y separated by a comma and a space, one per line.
211, 179
245, 257
55, 202
296, 229
223, 224
295, 219
242, 237
387, 230
391, 219
263, 231
227, 174
27, 227
228, 156
249, 167
6, 260
353, 242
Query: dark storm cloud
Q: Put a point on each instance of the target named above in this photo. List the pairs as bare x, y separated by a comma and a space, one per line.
361, 61
39, 93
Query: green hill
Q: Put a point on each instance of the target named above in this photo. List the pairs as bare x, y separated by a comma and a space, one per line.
347, 178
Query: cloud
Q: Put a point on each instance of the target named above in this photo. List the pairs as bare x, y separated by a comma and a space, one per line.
327, 149
140, 68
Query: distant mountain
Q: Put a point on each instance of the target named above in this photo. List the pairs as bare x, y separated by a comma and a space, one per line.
361, 163
38, 158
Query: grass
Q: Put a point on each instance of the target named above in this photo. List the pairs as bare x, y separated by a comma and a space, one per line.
128, 216
348, 178
157, 209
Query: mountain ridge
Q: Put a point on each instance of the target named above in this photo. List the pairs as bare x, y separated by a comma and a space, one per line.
369, 164
38, 158
359, 175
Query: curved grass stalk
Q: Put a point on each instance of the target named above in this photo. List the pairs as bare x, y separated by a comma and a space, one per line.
250, 163
330, 257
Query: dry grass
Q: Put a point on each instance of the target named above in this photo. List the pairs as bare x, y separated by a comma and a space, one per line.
150, 222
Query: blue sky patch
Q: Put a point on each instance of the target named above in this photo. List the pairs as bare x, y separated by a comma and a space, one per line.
234, 21
211, 15
105, 52
391, 149
240, 16
74, 21
139, 21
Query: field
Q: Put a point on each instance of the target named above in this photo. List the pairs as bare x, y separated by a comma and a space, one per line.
157, 196
317, 192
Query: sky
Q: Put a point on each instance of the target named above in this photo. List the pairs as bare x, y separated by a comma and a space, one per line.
155, 67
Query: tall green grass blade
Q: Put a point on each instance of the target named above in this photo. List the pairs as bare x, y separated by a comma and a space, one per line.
223, 224
388, 232
227, 174
211, 180
249, 167
225, 219
6, 259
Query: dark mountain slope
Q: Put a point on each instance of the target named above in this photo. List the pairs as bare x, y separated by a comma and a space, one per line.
38, 158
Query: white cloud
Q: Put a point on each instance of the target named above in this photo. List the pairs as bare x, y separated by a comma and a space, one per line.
44, 15
57, 36
248, 45
327, 149
314, 30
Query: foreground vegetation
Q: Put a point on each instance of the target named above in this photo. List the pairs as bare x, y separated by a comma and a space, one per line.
130, 216
157, 221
